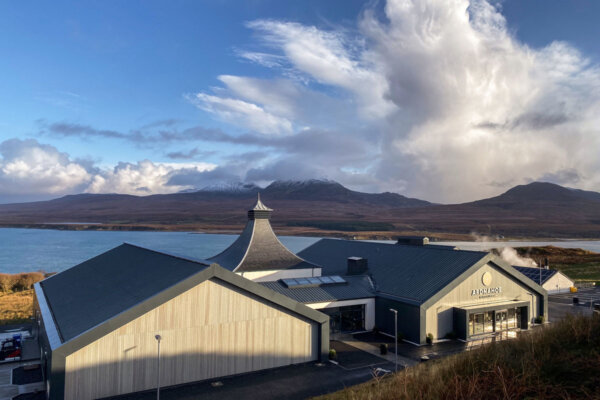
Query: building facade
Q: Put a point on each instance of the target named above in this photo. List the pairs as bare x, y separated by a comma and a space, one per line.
257, 305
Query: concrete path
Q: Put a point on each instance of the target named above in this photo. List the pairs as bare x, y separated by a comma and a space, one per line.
7, 391
369, 348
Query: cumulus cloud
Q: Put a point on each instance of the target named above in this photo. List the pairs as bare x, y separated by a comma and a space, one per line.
28, 167
31, 170
432, 99
144, 177
445, 102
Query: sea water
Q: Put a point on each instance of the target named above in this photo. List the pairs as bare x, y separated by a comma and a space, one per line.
24, 250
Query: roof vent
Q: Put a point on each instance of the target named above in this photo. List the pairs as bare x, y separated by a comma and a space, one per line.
413, 240
357, 265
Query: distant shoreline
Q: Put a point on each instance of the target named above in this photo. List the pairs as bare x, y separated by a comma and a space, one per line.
281, 230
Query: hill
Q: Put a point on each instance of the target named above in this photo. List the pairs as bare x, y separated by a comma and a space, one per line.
538, 209
317, 207
559, 361
210, 208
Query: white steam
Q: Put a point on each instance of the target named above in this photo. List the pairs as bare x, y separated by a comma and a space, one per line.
511, 256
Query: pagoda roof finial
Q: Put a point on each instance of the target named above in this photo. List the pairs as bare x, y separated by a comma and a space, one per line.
260, 206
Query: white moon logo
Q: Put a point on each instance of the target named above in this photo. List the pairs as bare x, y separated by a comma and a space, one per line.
486, 279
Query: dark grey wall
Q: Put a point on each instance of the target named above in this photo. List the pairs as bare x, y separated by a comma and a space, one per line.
460, 323
409, 318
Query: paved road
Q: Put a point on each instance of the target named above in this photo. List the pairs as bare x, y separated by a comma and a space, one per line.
559, 305
294, 383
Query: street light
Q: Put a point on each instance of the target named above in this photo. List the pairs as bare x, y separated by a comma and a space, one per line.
157, 337
395, 336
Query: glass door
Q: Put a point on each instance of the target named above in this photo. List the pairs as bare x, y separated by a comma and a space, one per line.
501, 320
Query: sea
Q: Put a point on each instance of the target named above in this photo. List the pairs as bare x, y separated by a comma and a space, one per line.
25, 250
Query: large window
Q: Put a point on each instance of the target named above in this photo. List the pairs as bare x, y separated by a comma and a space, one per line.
494, 321
346, 319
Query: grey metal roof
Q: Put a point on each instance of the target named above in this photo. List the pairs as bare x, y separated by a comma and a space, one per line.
258, 249
96, 290
534, 273
414, 273
357, 287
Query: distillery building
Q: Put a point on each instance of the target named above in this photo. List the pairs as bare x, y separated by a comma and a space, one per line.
256, 305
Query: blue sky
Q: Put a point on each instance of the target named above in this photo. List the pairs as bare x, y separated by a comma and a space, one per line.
443, 100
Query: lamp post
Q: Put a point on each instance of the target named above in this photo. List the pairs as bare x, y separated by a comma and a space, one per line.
158, 338
395, 337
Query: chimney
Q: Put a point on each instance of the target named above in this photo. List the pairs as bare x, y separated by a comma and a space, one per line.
357, 265
413, 240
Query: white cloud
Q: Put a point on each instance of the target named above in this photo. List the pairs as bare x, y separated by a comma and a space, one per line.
31, 170
458, 107
143, 178
243, 113
29, 167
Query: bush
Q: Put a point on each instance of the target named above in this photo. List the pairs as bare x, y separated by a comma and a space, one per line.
332, 354
6, 283
383, 348
429, 338
539, 319
19, 282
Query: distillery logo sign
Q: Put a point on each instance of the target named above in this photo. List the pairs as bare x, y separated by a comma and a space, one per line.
487, 291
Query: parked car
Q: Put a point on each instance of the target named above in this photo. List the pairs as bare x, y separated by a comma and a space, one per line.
10, 349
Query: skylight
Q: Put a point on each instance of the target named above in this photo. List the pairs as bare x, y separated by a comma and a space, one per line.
313, 281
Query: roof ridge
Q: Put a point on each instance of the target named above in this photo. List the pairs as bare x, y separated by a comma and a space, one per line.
181, 257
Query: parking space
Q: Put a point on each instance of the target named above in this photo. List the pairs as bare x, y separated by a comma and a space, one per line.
560, 305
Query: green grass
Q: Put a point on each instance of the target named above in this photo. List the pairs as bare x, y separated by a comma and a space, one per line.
581, 272
559, 361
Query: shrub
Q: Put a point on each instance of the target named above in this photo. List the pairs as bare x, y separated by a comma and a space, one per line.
6, 282
383, 348
539, 319
19, 282
332, 354
429, 338
27, 280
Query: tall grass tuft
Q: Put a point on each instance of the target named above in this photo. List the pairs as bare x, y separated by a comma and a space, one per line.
560, 361
19, 282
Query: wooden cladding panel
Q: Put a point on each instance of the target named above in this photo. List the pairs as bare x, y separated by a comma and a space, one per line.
209, 331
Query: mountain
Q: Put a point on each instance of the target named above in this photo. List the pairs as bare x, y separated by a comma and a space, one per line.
540, 193
315, 206
213, 207
538, 209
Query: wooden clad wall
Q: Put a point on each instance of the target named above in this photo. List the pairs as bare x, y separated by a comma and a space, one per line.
209, 331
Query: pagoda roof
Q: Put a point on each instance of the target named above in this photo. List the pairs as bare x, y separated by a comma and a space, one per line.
258, 248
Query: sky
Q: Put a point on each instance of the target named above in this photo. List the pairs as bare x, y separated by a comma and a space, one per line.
445, 100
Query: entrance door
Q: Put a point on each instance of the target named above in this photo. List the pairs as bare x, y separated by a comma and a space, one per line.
345, 319
501, 320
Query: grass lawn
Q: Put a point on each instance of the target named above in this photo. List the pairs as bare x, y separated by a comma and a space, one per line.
559, 361
577, 264
16, 307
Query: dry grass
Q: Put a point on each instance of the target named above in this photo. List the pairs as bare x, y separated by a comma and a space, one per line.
561, 361
16, 296
16, 307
